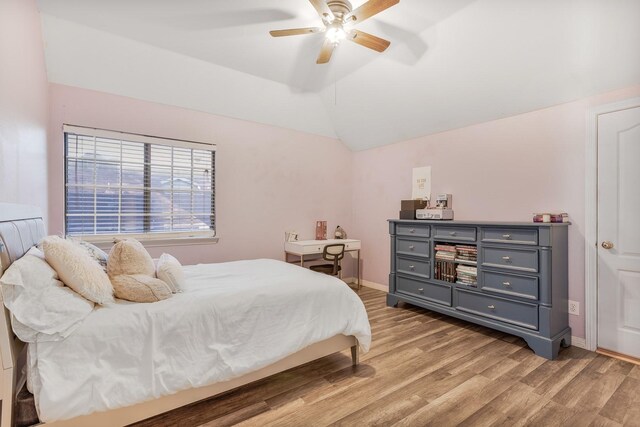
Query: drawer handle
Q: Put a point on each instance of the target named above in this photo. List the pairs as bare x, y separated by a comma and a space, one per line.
411, 247
506, 236
491, 307
507, 284
413, 230
453, 233
421, 290
412, 267
506, 258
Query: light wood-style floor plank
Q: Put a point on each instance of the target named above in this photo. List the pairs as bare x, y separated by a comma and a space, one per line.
425, 368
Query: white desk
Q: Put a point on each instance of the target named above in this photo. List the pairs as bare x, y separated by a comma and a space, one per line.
301, 248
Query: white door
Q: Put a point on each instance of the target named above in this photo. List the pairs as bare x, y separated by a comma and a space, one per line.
619, 231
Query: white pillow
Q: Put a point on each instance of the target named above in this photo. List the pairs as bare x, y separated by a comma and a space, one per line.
94, 252
169, 270
39, 302
78, 270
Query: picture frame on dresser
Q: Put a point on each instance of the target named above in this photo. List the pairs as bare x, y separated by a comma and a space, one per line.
508, 276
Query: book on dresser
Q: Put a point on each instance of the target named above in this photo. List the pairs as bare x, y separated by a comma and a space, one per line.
509, 276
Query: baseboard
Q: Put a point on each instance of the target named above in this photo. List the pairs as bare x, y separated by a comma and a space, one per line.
374, 285
367, 283
579, 342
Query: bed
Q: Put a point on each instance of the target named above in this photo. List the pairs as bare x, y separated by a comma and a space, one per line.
235, 323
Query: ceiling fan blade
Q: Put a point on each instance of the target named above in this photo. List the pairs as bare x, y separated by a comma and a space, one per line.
370, 8
323, 10
296, 31
325, 52
370, 41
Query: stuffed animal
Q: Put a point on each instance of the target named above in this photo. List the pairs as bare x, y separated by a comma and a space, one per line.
340, 233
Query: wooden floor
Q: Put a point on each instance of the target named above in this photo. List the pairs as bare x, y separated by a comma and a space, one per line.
428, 369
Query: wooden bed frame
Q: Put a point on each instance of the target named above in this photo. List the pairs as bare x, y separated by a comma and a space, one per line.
21, 227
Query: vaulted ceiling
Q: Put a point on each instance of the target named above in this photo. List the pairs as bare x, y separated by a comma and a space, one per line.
451, 63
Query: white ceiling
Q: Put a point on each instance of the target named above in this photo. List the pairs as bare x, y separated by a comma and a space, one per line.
451, 63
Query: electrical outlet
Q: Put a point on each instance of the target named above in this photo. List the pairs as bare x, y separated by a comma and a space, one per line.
574, 308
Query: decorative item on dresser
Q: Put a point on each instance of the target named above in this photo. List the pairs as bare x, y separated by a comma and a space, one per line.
512, 277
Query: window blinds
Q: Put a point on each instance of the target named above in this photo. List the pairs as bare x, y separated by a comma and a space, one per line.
119, 183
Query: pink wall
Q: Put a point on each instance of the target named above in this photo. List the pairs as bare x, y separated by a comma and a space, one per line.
268, 179
23, 105
502, 170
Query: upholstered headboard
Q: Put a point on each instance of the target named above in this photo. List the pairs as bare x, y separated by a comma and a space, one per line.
21, 227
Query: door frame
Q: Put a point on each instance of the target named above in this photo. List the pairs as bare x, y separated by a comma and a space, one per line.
591, 216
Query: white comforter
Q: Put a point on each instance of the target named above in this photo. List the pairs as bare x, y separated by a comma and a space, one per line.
233, 318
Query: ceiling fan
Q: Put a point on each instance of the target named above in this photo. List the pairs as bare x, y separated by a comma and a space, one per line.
339, 18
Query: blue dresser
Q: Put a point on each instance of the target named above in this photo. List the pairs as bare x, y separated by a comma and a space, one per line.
512, 277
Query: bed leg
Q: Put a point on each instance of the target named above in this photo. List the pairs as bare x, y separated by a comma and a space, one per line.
7, 399
355, 355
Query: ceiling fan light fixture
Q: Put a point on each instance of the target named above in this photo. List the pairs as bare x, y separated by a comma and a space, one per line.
335, 34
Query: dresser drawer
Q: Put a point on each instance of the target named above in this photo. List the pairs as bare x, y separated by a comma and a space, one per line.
418, 230
463, 234
437, 293
514, 236
510, 284
512, 259
413, 267
516, 313
413, 247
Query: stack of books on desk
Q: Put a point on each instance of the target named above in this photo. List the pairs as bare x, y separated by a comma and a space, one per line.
467, 275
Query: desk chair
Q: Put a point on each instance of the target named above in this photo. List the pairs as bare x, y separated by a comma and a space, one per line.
332, 253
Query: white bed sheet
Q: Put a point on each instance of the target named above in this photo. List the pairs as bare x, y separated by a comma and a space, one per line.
233, 318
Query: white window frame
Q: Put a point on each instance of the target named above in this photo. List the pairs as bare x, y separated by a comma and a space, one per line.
176, 238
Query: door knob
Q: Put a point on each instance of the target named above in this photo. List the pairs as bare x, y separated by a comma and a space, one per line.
607, 245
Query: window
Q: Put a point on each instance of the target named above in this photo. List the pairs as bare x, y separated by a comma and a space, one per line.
127, 184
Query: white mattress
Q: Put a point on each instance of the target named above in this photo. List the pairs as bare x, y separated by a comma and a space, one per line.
233, 318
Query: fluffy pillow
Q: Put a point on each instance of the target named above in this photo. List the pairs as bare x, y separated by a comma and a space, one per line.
140, 288
169, 270
94, 252
78, 270
42, 308
129, 257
